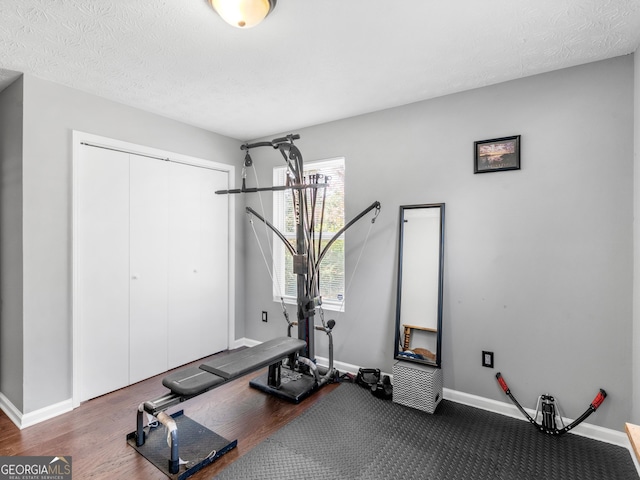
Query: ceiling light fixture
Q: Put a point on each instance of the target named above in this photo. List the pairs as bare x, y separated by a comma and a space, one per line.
243, 13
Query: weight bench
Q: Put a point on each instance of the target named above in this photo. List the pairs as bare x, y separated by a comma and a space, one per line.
196, 380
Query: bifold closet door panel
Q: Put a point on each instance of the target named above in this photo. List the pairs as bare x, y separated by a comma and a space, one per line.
198, 271
214, 262
102, 270
149, 230
184, 253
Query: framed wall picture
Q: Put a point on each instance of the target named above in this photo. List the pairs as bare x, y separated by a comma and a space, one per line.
497, 154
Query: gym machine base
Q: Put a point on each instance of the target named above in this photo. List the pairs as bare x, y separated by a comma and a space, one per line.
296, 390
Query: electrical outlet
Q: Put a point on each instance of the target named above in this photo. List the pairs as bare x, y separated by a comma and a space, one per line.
487, 359
264, 316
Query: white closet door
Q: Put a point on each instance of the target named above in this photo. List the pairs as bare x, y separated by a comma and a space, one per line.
214, 262
103, 270
184, 241
198, 272
148, 273
152, 267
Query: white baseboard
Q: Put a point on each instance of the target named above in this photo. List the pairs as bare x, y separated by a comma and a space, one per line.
244, 342
24, 420
46, 413
10, 410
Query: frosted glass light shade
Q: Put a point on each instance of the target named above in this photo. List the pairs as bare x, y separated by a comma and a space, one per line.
243, 13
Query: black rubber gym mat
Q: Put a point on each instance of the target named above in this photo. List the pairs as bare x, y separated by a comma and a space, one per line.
351, 435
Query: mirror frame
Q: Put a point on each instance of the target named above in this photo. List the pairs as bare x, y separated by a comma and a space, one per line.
398, 336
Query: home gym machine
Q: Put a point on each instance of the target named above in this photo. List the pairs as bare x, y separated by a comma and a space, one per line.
547, 407
300, 376
292, 370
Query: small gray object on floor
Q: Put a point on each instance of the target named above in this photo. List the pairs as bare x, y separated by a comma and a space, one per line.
351, 435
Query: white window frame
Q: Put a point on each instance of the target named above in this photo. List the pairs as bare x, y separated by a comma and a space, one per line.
279, 254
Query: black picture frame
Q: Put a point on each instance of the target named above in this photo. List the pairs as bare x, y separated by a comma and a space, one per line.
496, 154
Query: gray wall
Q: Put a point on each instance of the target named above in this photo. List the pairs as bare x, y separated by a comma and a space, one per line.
51, 112
539, 262
11, 330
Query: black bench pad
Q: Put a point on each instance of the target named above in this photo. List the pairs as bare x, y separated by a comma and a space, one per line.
244, 361
191, 381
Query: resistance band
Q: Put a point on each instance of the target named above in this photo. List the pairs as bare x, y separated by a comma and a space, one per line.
549, 409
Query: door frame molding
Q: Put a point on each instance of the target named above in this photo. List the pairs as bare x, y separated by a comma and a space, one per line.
78, 138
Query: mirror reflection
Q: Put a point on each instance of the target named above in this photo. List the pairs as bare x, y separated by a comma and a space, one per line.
420, 269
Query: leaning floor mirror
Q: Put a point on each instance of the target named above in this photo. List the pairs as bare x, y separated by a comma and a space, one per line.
420, 272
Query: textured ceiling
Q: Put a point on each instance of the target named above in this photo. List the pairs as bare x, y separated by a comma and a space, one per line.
310, 61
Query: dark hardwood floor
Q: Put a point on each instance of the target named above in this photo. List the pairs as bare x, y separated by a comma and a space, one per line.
94, 434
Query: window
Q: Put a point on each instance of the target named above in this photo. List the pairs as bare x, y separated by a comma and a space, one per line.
332, 265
